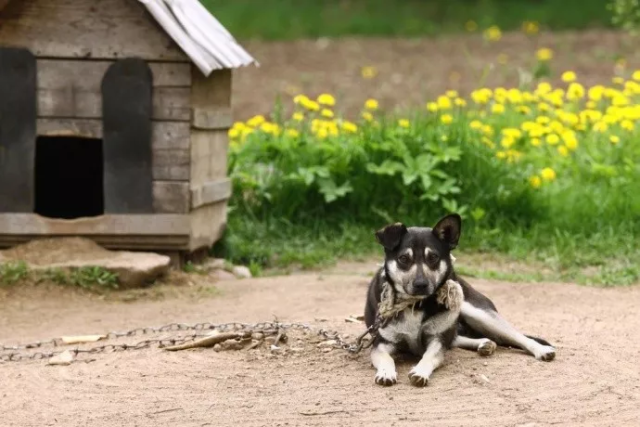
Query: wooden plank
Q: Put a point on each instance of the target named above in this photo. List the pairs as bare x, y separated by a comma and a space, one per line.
210, 192
208, 156
72, 88
171, 197
139, 225
164, 135
86, 29
127, 92
207, 225
208, 119
17, 129
171, 165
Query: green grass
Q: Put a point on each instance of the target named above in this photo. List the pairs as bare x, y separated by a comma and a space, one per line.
88, 278
293, 19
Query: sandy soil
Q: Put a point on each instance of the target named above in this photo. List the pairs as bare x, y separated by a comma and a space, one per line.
409, 72
593, 381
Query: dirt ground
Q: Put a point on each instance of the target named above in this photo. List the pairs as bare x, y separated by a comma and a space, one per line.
594, 380
409, 72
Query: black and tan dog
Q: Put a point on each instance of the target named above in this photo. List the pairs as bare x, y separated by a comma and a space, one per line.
428, 309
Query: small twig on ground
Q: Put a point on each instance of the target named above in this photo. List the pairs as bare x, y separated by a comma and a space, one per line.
310, 414
209, 341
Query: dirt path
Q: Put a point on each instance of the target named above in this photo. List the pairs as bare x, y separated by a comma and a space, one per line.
593, 381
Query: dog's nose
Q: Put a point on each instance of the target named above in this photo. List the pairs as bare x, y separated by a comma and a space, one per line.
421, 285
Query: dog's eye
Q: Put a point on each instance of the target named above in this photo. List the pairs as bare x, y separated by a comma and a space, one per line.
433, 258
404, 259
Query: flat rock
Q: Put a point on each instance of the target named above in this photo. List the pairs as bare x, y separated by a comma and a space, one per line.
241, 272
134, 269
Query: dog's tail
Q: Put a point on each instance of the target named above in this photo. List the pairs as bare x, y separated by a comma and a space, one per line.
540, 340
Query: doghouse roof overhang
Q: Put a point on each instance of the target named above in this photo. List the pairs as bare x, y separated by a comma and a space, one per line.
52, 28
199, 34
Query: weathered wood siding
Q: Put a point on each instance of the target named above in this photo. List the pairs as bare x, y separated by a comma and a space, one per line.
210, 187
93, 29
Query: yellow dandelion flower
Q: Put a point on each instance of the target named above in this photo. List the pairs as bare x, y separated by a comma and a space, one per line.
614, 139
543, 88
535, 181
530, 27
544, 54
349, 127
452, 93
371, 104
444, 102
322, 133
617, 80
497, 108
460, 102
310, 105
326, 99
592, 105
563, 151
292, 133
501, 154
446, 119
471, 26
234, 133
543, 120
544, 107
432, 107
300, 99
475, 124
636, 75
548, 174
536, 142
600, 127
523, 109
487, 130
404, 123
326, 113
368, 72
298, 117
367, 116
569, 76
493, 33
575, 91
627, 125
507, 142
553, 139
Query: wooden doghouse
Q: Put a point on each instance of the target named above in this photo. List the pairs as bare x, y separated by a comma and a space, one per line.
113, 122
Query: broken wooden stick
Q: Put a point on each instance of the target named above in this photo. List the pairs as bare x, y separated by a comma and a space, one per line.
209, 341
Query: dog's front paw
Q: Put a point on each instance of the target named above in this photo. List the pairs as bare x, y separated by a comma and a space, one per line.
386, 378
450, 295
487, 348
545, 353
419, 376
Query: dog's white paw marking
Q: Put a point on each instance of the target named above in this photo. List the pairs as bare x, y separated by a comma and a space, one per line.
487, 348
386, 378
419, 376
545, 353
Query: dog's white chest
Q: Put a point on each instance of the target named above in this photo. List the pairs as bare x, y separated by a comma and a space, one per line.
408, 330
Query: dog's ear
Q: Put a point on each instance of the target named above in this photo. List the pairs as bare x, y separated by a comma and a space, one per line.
448, 230
391, 235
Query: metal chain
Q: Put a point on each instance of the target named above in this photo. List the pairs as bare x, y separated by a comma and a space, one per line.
16, 352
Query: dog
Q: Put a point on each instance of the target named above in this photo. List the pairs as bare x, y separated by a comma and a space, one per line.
425, 308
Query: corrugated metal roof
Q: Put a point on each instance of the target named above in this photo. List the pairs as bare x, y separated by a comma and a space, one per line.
199, 34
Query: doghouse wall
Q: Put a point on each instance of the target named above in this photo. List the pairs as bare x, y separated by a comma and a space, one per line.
70, 103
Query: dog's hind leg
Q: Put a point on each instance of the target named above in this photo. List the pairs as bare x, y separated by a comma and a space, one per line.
491, 325
484, 346
382, 360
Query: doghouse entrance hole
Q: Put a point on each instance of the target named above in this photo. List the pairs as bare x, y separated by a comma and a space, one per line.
68, 177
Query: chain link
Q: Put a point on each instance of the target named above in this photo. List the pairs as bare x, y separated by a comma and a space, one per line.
15, 353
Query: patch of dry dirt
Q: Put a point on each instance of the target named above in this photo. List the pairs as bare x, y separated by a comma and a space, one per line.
412, 71
593, 381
